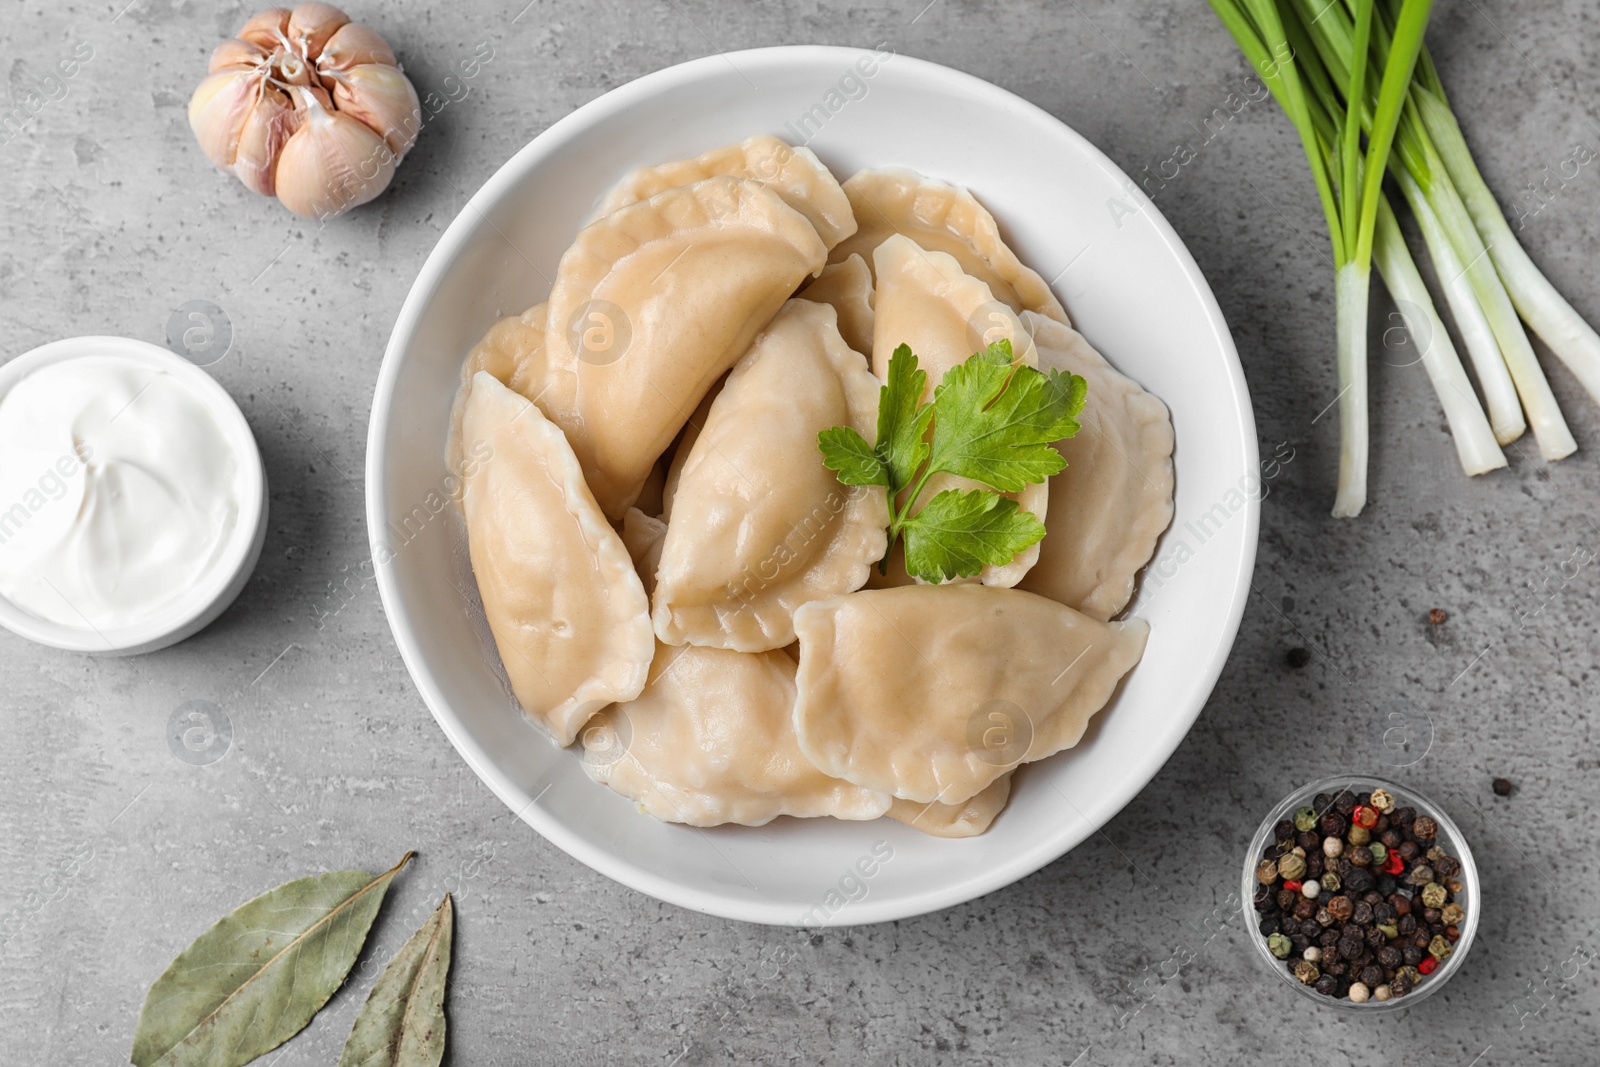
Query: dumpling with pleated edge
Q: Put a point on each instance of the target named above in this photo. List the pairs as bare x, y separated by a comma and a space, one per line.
795, 174
1118, 478
650, 305
847, 287
932, 692
685, 445
568, 614
966, 818
513, 352
759, 526
711, 741
941, 218
643, 535
925, 300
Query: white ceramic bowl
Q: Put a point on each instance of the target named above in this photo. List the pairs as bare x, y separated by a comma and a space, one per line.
223, 582
1130, 286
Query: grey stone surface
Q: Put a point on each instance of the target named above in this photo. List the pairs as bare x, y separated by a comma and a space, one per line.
114, 853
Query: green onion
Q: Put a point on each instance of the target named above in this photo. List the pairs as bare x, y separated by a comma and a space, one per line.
1445, 219
1274, 39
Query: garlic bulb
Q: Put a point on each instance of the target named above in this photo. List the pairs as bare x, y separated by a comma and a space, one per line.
307, 106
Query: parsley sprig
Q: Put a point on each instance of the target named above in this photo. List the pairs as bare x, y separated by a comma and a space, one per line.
993, 422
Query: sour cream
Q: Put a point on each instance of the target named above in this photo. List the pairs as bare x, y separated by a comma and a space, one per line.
118, 492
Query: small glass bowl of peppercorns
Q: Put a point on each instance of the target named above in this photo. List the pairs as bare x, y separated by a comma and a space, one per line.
1361, 894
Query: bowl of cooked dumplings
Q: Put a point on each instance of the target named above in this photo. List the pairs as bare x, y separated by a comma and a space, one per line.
812, 486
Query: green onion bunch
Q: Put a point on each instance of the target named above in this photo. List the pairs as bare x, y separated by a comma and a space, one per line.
1355, 78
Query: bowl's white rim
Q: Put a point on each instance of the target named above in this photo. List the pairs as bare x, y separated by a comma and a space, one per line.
642, 879
227, 576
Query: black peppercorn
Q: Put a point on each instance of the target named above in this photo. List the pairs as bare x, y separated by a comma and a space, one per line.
1390, 839
1285, 828
1411, 955
1374, 936
1327, 984
1286, 899
1359, 880
1447, 866
1431, 916
1361, 914
1502, 787
1389, 957
1322, 801
1345, 802
1400, 985
1314, 865
1372, 975
1297, 658
1408, 851
1311, 928
1333, 824
1424, 828
1407, 925
1400, 903
1403, 816
1300, 942
1304, 909
1383, 912
1386, 884
1329, 941
1309, 841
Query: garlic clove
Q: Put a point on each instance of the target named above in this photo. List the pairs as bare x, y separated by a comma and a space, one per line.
332, 163
266, 30
217, 111
234, 53
355, 44
382, 98
265, 130
312, 25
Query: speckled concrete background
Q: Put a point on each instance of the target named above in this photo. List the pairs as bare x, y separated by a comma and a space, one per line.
114, 853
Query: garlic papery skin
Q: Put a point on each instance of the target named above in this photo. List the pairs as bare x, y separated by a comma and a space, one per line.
267, 30
354, 45
312, 25
236, 53
262, 136
332, 163
218, 109
308, 106
382, 98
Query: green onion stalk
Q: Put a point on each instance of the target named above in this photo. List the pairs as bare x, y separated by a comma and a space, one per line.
1457, 246
1349, 181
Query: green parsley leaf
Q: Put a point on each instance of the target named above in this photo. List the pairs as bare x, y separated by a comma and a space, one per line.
903, 419
957, 534
846, 452
994, 422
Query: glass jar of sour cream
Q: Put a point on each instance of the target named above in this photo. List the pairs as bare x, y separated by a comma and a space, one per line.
132, 498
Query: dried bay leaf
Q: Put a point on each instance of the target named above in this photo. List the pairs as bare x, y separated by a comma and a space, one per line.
256, 978
402, 1023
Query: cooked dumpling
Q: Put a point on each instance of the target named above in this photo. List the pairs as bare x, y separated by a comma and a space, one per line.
711, 741
795, 174
567, 611
925, 300
942, 218
969, 818
1118, 479
759, 526
642, 536
512, 351
685, 445
650, 305
932, 692
847, 286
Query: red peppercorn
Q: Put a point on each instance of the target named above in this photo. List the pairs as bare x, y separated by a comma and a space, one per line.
1394, 864
1364, 816
1292, 885
1428, 965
